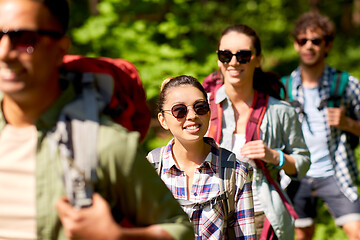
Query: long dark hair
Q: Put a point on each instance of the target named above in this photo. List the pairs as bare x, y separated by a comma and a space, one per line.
266, 82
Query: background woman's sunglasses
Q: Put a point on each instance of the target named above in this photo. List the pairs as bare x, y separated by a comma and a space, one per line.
242, 56
315, 41
180, 110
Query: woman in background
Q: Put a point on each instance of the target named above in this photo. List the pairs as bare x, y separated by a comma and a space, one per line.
237, 90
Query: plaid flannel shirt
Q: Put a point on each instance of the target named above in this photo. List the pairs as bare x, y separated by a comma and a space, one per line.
341, 153
208, 222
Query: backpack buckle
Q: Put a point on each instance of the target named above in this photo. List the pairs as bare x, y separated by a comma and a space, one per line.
212, 202
82, 193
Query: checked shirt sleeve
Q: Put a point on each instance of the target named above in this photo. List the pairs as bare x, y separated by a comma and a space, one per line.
345, 164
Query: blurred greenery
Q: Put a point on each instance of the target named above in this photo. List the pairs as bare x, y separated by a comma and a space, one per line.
171, 37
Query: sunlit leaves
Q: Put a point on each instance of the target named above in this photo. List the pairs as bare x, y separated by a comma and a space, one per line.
170, 37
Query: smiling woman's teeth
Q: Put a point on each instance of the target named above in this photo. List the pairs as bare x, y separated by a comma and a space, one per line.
192, 127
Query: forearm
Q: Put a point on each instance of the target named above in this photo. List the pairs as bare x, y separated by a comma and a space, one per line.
289, 162
289, 165
352, 126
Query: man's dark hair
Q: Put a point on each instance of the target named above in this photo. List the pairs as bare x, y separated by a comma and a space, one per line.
60, 10
314, 20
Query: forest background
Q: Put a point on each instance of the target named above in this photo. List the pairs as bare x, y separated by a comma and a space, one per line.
164, 38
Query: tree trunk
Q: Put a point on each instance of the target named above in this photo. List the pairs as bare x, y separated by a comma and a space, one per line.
93, 7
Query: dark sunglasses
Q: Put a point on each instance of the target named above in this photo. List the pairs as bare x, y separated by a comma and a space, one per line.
23, 39
315, 41
242, 56
180, 110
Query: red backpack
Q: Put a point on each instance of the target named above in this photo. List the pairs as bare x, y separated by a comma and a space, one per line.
128, 100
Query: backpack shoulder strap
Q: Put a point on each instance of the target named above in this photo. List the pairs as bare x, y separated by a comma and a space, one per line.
155, 158
258, 110
215, 118
213, 81
77, 136
227, 175
287, 81
227, 186
253, 133
288, 84
211, 84
337, 88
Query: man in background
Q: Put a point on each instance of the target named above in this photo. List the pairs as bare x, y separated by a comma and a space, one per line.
331, 129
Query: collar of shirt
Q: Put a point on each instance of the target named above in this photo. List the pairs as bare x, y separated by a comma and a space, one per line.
209, 162
324, 79
220, 94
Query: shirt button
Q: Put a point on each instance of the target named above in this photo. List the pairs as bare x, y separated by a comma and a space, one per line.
195, 194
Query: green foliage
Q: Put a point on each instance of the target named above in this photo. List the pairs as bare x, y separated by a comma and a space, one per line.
325, 226
171, 37
166, 38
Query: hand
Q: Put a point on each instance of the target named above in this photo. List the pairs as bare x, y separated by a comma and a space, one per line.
95, 222
259, 150
336, 117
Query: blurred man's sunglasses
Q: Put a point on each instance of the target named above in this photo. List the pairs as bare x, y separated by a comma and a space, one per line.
315, 41
26, 40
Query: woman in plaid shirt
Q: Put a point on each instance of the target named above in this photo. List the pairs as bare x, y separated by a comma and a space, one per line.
190, 164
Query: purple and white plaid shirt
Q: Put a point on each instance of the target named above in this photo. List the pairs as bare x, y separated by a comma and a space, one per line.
342, 155
208, 222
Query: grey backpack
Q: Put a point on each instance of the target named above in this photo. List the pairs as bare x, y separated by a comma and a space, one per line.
75, 138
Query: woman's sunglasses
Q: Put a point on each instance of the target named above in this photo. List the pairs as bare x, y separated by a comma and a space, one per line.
21, 40
180, 110
315, 41
242, 56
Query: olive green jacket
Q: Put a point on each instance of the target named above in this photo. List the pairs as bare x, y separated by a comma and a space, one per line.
125, 178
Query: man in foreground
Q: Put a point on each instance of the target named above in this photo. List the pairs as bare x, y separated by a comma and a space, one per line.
32, 45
